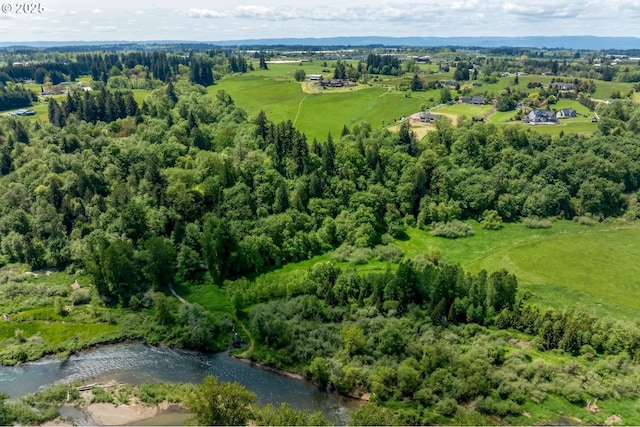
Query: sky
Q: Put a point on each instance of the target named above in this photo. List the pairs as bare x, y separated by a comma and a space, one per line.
200, 20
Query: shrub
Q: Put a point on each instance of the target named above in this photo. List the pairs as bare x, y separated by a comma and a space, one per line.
390, 253
80, 296
537, 222
585, 220
452, 229
491, 220
538, 396
354, 255
100, 395
447, 407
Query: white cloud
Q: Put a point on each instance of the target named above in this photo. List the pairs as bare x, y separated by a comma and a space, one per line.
96, 11
544, 11
204, 13
105, 28
465, 5
253, 11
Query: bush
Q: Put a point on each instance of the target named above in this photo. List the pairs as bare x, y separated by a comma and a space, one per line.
452, 229
537, 222
585, 220
447, 407
354, 255
390, 253
100, 395
80, 296
491, 220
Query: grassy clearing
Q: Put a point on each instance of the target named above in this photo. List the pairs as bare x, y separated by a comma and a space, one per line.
468, 110
39, 317
597, 266
600, 265
315, 114
605, 89
210, 297
581, 110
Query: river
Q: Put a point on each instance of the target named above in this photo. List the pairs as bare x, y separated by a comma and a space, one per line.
136, 363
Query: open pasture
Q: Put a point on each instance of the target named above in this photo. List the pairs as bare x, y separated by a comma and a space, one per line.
597, 267
467, 110
317, 114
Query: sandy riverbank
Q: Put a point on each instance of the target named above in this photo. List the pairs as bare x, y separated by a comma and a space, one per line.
107, 414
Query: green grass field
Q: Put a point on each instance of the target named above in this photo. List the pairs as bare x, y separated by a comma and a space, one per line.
468, 110
210, 297
605, 89
598, 267
276, 93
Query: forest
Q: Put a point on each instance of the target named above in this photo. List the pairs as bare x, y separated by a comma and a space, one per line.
188, 189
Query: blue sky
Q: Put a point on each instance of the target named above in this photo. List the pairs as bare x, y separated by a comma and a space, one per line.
201, 20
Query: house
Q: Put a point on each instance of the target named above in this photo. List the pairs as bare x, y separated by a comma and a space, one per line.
315, 77
451, 82
563, 86
541, 116
566, 112
22, 112
476, 100
428, 117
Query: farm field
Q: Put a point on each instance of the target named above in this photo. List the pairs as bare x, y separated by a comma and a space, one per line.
569, 263
282, 98
467, 110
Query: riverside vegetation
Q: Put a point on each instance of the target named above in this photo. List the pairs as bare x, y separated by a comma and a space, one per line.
189, 191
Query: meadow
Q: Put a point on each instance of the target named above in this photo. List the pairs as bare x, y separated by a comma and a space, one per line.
275, 92
597, 266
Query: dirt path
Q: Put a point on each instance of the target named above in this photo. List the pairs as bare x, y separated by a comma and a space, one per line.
245, 354
175, 294
248, 351
299, 108
386, 93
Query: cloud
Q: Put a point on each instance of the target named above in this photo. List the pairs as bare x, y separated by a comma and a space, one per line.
253, 11
544, 11
464, 5
105, 28
96, 11
630, 7
368, 13
204, 13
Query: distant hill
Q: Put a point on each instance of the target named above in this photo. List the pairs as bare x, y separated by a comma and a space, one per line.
567, 42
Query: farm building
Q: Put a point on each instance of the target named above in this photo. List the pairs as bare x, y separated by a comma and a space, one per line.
429, 117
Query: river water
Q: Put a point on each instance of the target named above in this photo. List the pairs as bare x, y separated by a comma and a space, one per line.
136, 363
